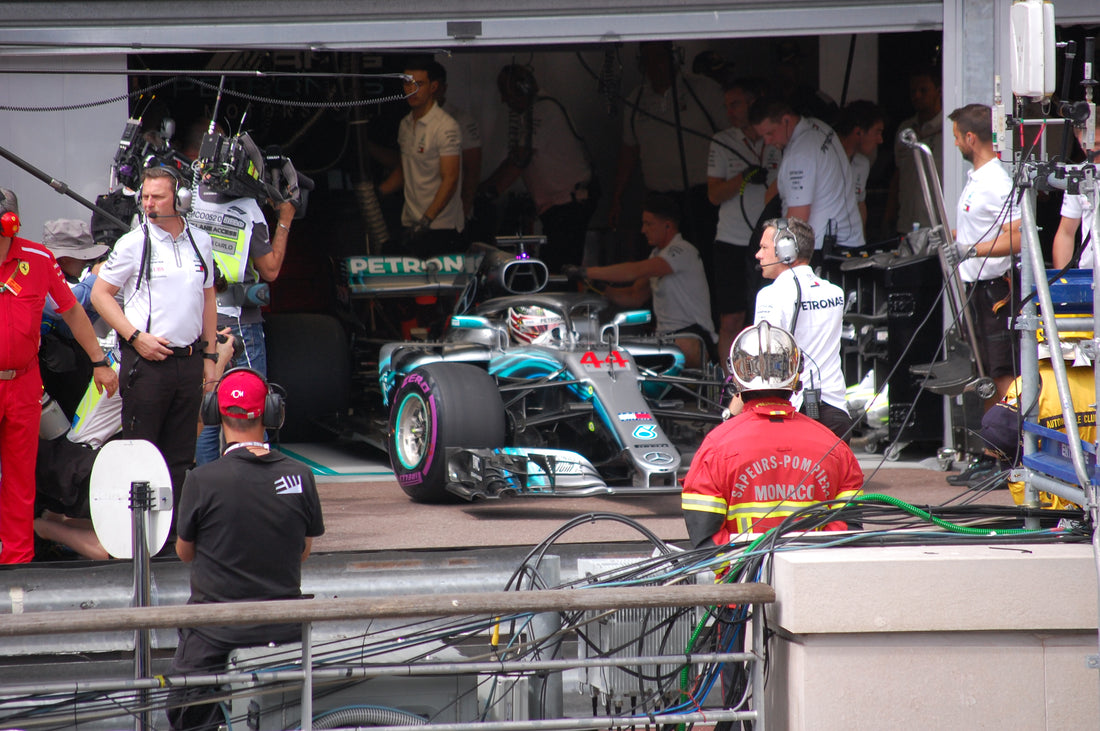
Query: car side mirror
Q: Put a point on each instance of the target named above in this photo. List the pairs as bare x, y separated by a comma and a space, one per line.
630, 317
633, 317
469, 321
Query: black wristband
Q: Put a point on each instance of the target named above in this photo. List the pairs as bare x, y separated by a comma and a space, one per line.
211, 356
130, 340
104, 363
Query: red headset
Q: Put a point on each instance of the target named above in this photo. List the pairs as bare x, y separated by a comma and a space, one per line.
9, 224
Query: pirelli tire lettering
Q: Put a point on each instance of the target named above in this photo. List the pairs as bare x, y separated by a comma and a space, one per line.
436, 407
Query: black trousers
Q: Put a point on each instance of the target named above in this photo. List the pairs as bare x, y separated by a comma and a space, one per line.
836, 419
160, 403
194, 654
197, 708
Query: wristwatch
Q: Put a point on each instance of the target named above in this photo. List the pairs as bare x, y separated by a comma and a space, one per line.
103, 363
130, 340
211, 356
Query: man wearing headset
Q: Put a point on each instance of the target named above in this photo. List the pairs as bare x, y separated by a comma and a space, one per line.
768, 461
28, 272
815, 177
165, 271
276, 498
988, 221
812, 309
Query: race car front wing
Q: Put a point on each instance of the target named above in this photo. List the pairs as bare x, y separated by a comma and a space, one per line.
511, 471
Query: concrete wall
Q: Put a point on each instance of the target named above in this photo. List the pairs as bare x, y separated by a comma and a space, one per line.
975, 637
74, 146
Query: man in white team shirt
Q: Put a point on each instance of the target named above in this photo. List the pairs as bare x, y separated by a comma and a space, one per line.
811, 309
1078, 211
988, 220
860, 128
740, 171
673, 274
815, 177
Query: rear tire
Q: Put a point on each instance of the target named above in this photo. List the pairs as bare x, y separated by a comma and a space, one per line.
437, 406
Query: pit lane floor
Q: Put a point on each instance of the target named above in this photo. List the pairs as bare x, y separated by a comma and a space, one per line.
365, 509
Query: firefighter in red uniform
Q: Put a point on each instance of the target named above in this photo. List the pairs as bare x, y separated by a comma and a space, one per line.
28, 272
769, 461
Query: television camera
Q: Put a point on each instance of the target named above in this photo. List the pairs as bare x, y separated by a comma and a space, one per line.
235, 166
138, 150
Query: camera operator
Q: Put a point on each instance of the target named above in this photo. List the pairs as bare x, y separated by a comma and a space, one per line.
247, 255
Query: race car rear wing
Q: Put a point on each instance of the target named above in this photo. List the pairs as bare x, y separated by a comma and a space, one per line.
392, 276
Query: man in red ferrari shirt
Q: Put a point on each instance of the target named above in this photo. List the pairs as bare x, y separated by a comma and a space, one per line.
768, 461
28, 272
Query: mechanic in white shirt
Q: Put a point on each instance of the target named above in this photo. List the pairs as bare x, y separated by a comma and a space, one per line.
811, 309
860, 129
1078, 211
815, 177
673, 275
741, 171
988, 220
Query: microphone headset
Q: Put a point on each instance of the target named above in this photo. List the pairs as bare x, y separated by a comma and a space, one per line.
786, 243
181, 202
786, 246
274, 402
181, 196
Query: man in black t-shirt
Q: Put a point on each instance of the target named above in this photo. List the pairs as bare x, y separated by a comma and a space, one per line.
245, 523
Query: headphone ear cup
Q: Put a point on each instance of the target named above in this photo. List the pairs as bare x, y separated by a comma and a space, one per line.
183, 199
9, 224
209, 409
274, 407
786, 247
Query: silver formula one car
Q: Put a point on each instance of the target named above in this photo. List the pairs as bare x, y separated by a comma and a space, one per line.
543, 394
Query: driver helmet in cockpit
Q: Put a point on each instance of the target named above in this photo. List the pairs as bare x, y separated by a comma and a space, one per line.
535, 325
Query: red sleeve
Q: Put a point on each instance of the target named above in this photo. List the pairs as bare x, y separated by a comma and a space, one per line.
852, 478
703, 501
59, 288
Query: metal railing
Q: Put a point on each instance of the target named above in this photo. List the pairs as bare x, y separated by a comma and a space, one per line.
496, 606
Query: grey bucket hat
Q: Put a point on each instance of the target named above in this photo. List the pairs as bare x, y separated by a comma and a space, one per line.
71, 238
